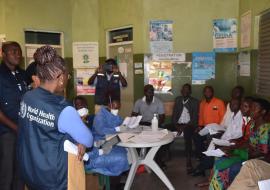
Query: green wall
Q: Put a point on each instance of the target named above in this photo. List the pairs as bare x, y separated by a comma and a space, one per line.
191, 28
88, 20
17, 15
192, 20
256, 7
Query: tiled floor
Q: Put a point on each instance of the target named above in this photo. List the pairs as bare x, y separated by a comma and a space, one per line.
176, 172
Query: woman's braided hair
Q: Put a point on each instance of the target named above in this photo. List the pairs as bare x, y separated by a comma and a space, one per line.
49, 64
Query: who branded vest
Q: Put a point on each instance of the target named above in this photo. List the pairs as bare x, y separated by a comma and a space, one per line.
43, 162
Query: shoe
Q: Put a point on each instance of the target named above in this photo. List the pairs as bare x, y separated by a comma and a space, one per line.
198, 173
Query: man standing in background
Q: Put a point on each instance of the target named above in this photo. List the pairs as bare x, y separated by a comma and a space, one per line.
108, 81
185, 119
12, 87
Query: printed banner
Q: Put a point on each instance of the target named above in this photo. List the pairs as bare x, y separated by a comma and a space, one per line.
161, 36
225, 35
175, 57
81, 82
245, 29
85, 54
203, 67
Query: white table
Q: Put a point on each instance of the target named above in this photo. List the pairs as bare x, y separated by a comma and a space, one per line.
148, 160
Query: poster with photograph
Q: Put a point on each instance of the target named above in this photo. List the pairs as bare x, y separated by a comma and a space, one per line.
245, 29
203, 67
85, 54
161, 36
225, 35
244, 63
81, 82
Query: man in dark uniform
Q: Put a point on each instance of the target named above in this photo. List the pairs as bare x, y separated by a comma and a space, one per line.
12, 86
108, 81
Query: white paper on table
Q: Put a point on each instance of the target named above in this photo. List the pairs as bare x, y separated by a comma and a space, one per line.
222, 142
125, 137
73, 149
149, 136
264, 184
216, 153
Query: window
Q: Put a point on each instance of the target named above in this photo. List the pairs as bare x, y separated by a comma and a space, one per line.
263, 71
35, 39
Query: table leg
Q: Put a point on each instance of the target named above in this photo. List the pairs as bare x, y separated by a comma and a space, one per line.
133, 169
149, 161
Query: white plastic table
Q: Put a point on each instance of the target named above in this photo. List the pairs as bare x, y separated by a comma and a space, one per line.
148, 160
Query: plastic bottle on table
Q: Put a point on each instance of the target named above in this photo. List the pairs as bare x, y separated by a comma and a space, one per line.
154, 123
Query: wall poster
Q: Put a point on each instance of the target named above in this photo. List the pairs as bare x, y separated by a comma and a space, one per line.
203, 67
81, 82
161, 36
225, 35
85, 55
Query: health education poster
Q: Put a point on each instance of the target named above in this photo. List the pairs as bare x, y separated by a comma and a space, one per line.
244, 63
159, 69
161, 36
245, 29
203, 67
225, 35
85, 54
81, 81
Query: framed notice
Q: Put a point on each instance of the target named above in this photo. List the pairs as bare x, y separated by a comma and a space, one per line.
85, 54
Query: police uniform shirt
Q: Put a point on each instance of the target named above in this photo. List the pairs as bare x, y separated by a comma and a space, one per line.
12, 87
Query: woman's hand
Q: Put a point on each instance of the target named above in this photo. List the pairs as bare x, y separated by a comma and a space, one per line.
81, 151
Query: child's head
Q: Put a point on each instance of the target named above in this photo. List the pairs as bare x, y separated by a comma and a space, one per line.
80, 104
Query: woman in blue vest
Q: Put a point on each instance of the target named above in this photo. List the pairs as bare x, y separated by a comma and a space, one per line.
46, 121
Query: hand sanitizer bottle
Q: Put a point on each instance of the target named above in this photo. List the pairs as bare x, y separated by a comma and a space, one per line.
154, 123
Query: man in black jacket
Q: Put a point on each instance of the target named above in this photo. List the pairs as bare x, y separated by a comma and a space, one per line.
185, 119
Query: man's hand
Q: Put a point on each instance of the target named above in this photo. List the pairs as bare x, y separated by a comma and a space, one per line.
116, 70
99, 70
81, 151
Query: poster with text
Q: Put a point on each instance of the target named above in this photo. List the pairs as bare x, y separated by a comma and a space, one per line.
245, 29
203, 67
244, 63
81, 82
225, 35
85, 54
161, 36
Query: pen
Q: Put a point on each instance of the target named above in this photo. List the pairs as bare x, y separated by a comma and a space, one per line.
131, 137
